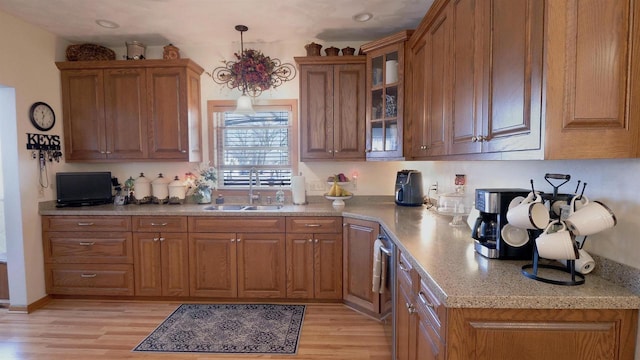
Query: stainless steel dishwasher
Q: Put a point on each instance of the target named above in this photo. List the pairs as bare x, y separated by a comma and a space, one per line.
389, 302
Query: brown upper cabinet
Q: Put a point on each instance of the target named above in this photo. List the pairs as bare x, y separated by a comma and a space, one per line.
593, 79
385, 96
477, 78
526, 79
332, 107
131, 110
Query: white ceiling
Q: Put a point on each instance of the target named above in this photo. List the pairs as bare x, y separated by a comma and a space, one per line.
206, 22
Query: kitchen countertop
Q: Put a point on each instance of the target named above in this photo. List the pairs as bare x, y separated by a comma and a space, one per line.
443, 255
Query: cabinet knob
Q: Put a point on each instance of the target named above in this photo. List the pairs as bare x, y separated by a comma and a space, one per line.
183, 151
108, 152
368, 150
103, 152
238, 240
310, 240
316, 241
330, 151
233, 240
474, 139
155, 239
410, 308
161, 239
335, 151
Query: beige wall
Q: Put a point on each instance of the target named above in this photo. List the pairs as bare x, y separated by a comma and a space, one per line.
29, 68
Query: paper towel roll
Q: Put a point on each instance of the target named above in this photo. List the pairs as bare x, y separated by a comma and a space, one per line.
392, 71
298, 191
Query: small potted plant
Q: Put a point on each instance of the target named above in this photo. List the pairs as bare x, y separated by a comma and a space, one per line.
204, 181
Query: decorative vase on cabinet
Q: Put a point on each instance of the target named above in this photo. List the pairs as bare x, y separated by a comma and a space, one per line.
385, 96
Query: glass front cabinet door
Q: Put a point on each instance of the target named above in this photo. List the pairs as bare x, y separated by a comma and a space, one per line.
385, 96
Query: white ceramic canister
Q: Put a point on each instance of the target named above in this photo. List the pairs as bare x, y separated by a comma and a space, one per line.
142, 187
177, 190
160, 188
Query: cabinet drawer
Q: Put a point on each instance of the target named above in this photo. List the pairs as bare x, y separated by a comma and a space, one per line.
86, 223
160, 223
237, 224
88, 247
316, 225
87, 279
430, 307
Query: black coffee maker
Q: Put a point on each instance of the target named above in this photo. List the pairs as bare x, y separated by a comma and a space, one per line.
487, 231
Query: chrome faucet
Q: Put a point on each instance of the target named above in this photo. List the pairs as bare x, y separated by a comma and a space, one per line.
251, 196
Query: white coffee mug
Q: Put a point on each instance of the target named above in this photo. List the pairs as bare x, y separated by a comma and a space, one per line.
584, 263
577, 202
529, 214
591, 218
556, 245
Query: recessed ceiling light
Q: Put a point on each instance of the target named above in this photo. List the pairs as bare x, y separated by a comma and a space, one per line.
107, 24
362, 17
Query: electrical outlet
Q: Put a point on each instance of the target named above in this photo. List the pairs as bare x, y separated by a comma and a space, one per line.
317, 186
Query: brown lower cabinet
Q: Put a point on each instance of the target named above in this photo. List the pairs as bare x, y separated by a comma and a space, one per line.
358, 241
88, 255
427, 330
314, 258
161, 255
229, 264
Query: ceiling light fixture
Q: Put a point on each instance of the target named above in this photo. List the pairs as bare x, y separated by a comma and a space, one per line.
107, 24
363, 17
251, 73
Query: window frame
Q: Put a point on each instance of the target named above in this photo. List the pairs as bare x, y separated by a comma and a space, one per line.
214, 134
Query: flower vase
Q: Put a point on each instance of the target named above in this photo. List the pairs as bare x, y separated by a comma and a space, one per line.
202, 196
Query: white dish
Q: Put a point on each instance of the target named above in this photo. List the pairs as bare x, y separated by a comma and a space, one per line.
515, 201
514, 236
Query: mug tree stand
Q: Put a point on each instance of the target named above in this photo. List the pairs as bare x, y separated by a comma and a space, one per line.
531, 271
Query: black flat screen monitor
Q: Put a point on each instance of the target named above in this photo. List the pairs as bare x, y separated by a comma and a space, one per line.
83, 188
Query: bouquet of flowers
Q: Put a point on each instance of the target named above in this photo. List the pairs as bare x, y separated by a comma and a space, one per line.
204, 180
253, 72
254, 68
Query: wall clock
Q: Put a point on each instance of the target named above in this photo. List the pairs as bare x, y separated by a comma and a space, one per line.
42, 116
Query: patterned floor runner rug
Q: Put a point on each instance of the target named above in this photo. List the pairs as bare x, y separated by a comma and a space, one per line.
228, 329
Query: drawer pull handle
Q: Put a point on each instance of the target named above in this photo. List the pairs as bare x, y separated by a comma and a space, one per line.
312, 225
158, 224
88, 276
86, 243
424, 300
85, 224
403, 267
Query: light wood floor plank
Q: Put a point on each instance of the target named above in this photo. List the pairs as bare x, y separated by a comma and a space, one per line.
106, 330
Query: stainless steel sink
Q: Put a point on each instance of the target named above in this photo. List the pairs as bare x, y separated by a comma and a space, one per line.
263, 207
243, 207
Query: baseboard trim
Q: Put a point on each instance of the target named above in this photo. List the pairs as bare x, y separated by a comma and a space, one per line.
31, 307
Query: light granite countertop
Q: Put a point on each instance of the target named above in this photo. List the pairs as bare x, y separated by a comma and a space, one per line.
443, 255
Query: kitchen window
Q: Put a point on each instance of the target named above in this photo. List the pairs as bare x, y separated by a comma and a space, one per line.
265, 141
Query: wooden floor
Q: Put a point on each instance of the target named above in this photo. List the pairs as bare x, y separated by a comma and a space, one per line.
97, 330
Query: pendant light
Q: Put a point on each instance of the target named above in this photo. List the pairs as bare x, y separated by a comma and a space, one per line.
243, 104
252, 72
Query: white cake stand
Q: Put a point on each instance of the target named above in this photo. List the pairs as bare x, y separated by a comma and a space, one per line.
338, 201
457, 217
